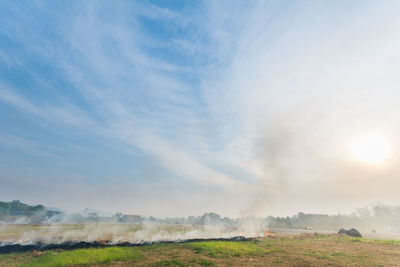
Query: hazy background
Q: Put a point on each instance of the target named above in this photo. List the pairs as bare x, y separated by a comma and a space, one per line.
177, 108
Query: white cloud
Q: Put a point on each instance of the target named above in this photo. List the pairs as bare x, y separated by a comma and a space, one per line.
299, 86
14, 99
282, 88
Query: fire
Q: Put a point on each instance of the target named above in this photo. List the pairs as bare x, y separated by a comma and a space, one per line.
267, 233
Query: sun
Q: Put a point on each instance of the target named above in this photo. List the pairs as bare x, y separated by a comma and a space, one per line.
372, 149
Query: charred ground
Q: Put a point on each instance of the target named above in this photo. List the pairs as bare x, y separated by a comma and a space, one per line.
279, 250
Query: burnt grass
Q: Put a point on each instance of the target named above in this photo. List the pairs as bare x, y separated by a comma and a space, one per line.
279, 250
71, 245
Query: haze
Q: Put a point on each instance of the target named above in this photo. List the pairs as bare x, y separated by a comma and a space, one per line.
172, 108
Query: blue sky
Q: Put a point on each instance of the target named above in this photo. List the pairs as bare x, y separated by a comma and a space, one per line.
181, 107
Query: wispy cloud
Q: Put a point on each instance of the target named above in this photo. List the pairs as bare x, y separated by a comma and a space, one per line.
27, 146
137, 98
14, 99
255, 98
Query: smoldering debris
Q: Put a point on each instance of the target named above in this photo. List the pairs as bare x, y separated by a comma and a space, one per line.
94, 230
39, 246
132, 229
117, 233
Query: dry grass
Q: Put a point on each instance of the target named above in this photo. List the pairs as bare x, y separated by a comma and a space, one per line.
300, 250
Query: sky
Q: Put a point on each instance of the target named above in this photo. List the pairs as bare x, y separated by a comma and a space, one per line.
175, 108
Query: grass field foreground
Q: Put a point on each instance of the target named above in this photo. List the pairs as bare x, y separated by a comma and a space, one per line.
301, 250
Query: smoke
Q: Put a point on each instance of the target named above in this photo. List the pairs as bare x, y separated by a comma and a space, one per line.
292, 103
128, 232
305, 164
285, 92
378, 221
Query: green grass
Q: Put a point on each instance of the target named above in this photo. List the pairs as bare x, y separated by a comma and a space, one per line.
382, 241
204, 262
13, 259
201, 262
338, 254
85, 256
324, 255
312, 250
371, 241
389, 242
191, 262
173, 262
222, 249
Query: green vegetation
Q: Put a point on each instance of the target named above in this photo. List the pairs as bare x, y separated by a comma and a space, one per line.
324, 255
364, 219
81, 257
10, 211
18, 208
204, 262
301, 250
222, 249
170, 263
380, 241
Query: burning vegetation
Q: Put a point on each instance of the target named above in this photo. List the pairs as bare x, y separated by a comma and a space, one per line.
57, 228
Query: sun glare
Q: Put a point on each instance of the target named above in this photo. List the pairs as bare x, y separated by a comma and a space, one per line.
370, 149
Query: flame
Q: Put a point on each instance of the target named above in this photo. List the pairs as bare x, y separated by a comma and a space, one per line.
267, 233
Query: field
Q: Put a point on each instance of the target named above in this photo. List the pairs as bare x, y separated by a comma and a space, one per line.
279, 250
